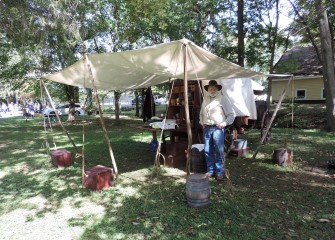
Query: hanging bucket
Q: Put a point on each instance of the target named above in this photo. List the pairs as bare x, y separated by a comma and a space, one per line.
198, 159
198, 190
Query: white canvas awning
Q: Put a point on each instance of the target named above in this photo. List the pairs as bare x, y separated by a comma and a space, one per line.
149, 66
240, 93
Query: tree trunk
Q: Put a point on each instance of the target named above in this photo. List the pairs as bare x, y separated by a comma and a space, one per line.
89, 101
240, 38
272, 41
117, 96
137, 109
328, 65
143, 98
71, 96
273, 33
269, 93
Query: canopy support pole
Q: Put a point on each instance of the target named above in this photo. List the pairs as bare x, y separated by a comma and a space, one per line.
101, 119
59, 120
187, 113
83, 147
272, 118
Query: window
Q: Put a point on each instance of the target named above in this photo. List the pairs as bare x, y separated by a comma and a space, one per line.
323, 93
301, 94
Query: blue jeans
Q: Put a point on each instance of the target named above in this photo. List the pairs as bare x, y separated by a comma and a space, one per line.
214, 149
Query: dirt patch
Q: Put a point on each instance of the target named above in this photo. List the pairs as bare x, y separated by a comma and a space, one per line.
145, 175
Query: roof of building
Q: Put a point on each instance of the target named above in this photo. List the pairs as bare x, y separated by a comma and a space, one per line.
299, 61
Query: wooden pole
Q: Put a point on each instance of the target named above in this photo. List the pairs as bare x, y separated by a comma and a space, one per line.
102, 120
83, 164
59, 120
272, 118
187, 113
83, 147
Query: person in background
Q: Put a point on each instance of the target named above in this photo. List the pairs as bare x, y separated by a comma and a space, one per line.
216, 113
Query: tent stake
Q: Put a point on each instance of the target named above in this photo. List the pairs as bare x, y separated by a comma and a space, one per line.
187, 113
60, 122
272, 118
101, 119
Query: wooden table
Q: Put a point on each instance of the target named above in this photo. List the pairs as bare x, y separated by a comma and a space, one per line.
174, 150
152, 130
173, 133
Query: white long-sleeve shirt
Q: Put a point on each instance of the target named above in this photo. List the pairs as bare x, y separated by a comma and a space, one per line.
216, 110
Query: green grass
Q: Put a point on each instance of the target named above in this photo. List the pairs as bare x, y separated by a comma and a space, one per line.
266, 201
306, 116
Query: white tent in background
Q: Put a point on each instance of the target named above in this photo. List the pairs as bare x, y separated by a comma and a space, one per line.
240, 92
149, 66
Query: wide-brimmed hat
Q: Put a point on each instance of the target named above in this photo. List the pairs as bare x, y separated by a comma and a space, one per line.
213, 83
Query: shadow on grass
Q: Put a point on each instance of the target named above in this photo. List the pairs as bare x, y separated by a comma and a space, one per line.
268, 202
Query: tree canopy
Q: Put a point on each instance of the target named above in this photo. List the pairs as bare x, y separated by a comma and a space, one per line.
38, 37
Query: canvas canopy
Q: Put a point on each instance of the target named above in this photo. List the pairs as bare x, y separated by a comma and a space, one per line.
146, 67
149, 66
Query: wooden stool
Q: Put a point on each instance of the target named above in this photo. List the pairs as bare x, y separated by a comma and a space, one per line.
98, 178
61, 158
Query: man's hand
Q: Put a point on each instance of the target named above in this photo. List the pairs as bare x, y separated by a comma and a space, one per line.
221, 125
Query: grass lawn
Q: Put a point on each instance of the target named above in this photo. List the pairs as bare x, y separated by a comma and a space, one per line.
265, 201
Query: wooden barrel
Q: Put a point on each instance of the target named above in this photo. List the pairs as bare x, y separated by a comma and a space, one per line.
61, 158
198, 159
198, 190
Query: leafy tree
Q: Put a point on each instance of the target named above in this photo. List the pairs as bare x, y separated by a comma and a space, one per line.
327, 48
318, 29
44, 41
53, 33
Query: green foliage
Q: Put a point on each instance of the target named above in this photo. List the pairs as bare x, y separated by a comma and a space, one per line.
161, 89
54, 31
301, 116
40, 37
307, 26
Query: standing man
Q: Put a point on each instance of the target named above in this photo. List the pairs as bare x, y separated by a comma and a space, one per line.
215, 114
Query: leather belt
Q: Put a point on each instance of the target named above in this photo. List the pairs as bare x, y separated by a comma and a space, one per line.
210, 125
